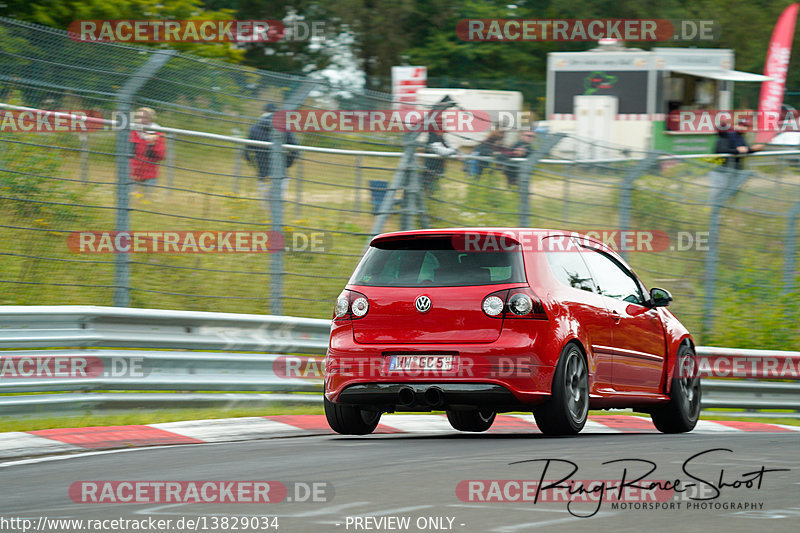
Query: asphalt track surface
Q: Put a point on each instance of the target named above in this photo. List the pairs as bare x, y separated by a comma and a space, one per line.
414, 477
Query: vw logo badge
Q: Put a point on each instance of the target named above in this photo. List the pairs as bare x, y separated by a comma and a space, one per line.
423, 304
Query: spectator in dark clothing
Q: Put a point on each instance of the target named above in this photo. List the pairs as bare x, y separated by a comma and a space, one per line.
437, 145
491, 146
733, 142
522, 148
260, 155
434, 166
673, 116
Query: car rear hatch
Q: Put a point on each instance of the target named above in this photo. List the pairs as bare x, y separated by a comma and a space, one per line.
429, 289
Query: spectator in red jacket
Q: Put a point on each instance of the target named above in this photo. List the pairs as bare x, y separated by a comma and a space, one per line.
149, 148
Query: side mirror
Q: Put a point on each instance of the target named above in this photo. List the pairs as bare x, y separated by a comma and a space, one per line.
660, 297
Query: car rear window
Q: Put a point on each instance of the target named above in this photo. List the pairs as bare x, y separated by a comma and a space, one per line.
434, 262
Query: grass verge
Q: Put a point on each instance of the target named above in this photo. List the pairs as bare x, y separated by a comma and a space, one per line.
152, 417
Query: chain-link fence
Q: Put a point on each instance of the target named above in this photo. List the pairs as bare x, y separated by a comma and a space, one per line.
725, 239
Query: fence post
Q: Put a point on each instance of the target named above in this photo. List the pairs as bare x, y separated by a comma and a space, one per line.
733, 181
298, 187
420, 210
790, 255
525, 170
626, 192
359, 178
399, 181
84, 138
277, 171
413, 207
170, 147
238, 154
122, 296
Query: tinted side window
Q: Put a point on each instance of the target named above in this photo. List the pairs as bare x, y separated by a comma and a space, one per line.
570, 269
611, 279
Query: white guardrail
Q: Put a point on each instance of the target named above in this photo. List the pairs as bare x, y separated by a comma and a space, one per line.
69, 358
105, 123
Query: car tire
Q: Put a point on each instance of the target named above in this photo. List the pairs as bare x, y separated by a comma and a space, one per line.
681, 413
350, 419
475, 420
566, 411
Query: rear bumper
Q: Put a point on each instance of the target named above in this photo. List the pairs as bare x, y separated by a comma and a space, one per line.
424, 396
515, 370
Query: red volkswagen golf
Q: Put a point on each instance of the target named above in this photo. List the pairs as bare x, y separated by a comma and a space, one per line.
476, 321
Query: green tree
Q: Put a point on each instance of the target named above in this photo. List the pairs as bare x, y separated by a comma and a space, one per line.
60, 13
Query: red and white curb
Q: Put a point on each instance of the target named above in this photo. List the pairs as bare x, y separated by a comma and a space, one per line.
52, 441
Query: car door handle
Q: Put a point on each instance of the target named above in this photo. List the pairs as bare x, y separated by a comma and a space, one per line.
615, 317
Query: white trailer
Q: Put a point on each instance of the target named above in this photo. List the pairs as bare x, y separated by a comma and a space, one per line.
502, 106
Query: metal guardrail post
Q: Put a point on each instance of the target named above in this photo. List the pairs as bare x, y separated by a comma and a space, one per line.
122, 297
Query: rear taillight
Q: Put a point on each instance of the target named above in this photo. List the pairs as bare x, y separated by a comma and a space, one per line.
350, 305
342, 305
514, 303
493, 305
360, 306
520, 304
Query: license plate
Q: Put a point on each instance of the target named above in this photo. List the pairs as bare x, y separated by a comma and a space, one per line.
421, 362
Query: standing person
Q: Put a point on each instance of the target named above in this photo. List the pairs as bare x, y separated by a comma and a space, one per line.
436, 144
434, 166
733, 142
491, 146
260, 155
149, 148
522, 148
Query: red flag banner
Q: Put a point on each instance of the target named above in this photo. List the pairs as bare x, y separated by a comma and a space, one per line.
776, 66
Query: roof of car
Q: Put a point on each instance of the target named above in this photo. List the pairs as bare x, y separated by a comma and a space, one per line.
482, 230
516, 233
